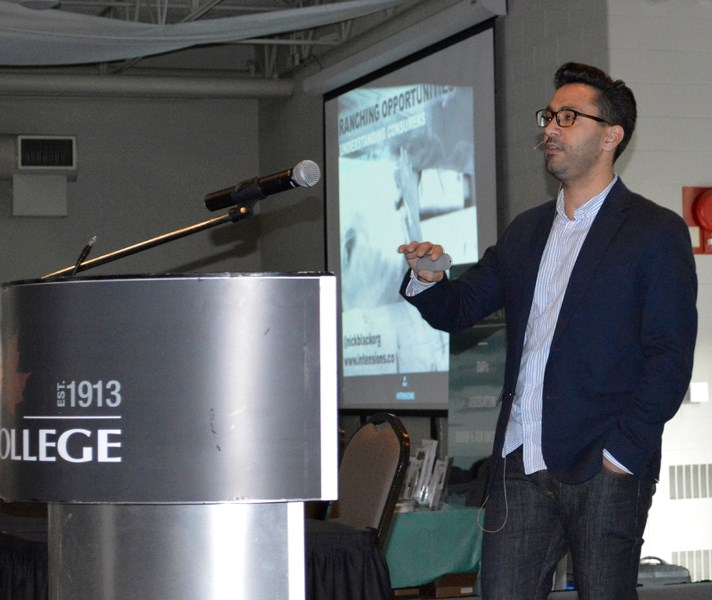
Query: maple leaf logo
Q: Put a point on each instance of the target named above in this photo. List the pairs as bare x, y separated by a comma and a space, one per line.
12, 382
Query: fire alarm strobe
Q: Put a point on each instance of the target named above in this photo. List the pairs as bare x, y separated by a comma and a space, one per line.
697, 212
702, 209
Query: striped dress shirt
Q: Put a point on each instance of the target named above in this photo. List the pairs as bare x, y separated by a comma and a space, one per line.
562, 248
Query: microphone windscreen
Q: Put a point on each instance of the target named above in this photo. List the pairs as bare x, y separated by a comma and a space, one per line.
306, 173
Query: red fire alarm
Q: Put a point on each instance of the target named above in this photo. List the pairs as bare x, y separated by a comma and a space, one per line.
697, 212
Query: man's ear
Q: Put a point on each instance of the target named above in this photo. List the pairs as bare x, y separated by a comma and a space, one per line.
614, 136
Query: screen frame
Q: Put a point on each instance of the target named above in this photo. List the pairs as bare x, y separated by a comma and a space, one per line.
486, 187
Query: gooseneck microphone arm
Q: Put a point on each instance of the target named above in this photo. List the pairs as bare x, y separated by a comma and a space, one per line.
235, 215
243, 198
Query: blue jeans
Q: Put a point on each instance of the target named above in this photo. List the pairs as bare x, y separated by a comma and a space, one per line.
531, 521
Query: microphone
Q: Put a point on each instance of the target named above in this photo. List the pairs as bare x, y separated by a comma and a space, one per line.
304, 174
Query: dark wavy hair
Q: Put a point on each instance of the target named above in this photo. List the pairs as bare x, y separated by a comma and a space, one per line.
614, 98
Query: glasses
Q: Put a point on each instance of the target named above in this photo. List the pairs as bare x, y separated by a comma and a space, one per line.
564, 118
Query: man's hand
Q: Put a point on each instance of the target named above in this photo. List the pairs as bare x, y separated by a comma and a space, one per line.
607, 464
416, 250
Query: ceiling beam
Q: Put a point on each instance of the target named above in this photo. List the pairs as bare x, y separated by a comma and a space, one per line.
28, 84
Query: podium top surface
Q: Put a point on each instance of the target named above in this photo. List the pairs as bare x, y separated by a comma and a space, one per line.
170, 276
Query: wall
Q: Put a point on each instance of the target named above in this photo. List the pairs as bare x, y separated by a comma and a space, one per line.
292, 226
144, 167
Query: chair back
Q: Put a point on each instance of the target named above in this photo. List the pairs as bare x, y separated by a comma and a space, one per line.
371, 474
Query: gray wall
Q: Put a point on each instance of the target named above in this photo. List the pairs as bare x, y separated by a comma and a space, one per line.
144, 167
292, 225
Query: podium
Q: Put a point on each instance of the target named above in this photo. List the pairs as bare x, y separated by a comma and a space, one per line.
175, 425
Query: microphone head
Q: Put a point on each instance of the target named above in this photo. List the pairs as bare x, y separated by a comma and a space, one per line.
306, 173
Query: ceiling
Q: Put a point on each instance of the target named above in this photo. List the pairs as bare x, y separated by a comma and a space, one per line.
265, 56
170, 11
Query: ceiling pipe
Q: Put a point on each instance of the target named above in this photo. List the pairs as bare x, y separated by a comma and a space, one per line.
129, 86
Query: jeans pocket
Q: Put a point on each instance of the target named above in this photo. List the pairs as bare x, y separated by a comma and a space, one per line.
608, 471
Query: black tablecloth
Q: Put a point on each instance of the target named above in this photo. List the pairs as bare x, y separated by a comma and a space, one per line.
23, 569
344, 563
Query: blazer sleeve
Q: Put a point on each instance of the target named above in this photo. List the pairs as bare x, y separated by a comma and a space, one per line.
454, 305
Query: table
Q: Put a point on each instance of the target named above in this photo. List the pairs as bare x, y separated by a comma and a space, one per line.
425, 544
23, 569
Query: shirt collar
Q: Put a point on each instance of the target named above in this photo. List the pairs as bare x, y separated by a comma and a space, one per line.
590, 207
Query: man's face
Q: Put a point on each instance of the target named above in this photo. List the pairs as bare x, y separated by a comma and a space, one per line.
577, 151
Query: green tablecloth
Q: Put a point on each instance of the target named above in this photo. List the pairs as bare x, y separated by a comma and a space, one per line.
425, 544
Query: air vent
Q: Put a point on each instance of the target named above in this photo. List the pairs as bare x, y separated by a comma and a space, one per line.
690, 481
698, 562
46, 153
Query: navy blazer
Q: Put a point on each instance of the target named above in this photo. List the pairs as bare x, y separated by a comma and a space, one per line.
621, 356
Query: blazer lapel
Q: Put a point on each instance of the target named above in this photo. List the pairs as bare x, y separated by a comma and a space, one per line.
607, 222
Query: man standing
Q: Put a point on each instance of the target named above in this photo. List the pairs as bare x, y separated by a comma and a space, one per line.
599, 291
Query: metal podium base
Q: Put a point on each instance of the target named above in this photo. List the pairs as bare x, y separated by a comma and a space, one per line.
177, 552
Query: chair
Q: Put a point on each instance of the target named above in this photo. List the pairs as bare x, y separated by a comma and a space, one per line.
371, 475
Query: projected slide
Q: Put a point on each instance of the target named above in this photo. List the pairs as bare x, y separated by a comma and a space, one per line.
410, 156
406, 172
